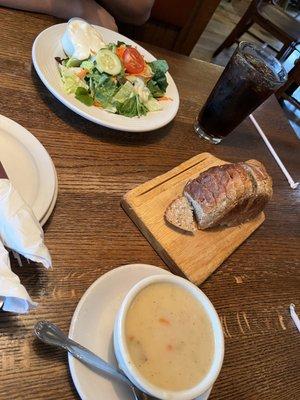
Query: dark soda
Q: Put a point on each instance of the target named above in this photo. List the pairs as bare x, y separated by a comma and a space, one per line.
249, 78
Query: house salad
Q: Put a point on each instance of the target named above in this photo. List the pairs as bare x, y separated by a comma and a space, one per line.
113, 76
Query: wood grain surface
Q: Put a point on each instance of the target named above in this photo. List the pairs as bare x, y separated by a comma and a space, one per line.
88, 233
198, 255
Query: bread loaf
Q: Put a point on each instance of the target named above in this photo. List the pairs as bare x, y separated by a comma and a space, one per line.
225, 195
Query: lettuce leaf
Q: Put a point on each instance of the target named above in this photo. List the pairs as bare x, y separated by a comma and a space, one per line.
132, 107
72, 62
70, 80
124, 92
98, 77
111, 47
158, 83
153, 105
88, 65
159, 65
104, 88
82, 95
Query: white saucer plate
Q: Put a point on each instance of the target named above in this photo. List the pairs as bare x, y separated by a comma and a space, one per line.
47, 46
29, 166
92, 326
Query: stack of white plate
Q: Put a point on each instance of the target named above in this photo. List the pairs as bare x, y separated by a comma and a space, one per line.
29, 167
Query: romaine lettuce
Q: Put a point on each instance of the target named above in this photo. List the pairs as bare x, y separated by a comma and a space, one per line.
153, 105
88, 65
105, 87
125, 91
72, 62
159, 65
158, 83
82, 95
132, 107
70, 80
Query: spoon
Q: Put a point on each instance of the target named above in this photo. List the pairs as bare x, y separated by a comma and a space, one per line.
52, 335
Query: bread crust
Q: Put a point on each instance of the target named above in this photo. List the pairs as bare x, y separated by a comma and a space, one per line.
229, 194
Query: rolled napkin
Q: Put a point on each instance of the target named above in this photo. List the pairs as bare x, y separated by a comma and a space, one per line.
12, 293
19, 229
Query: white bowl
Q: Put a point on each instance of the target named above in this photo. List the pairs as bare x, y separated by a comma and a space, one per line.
123, 357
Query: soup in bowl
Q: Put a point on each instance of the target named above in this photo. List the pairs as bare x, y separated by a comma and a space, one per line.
168, 338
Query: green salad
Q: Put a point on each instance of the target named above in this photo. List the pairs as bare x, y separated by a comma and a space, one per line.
117, 79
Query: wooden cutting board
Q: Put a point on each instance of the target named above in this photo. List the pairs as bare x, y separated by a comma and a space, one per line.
194, 256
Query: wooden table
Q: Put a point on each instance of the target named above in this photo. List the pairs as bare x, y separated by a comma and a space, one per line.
89, 234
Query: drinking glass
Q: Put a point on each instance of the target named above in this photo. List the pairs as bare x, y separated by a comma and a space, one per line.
250, 77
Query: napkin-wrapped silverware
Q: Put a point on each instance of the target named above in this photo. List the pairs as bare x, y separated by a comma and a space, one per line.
21, 232
19, 229
12, 293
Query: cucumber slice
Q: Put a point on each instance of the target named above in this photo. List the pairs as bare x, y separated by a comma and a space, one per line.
108, 62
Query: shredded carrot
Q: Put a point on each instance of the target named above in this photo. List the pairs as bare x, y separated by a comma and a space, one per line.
81, 74
131, 338
120, 51
163, 98
169, 347
97, 103
164, 321
147, 72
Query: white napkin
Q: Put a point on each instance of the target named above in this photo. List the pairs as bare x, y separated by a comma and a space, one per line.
12, 293
19, 228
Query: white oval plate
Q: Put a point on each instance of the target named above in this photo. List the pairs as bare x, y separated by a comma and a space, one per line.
28, 165
92, 326
47, 46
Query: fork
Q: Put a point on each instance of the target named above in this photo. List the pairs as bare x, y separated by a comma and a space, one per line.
50, 334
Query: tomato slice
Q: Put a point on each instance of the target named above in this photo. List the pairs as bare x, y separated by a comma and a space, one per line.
133, 61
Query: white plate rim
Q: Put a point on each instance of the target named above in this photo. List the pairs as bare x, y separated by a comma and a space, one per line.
33, 146
65, 98
52, 205
81, 302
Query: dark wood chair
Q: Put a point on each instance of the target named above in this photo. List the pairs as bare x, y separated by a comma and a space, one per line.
174, 24
270, 17
287, 90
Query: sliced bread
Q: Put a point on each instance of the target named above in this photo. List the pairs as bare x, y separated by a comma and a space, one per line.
180, 214
227, 195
